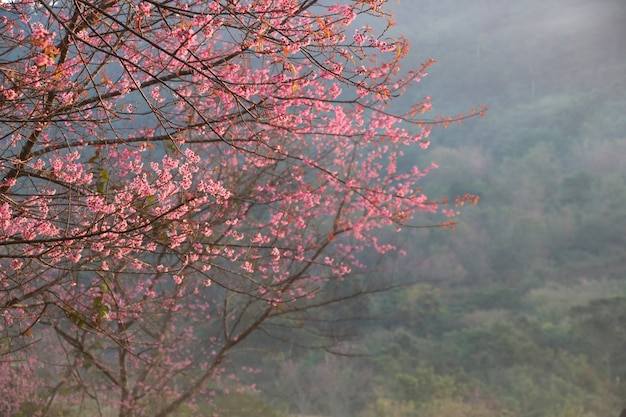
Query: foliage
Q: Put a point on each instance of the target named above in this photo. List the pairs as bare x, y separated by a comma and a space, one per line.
240, 405
424, 385
548, 235
531, 281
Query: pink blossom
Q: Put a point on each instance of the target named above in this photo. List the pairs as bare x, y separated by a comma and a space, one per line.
144, 8
16, 264
9, 94
43, 60
359, 37
247, 266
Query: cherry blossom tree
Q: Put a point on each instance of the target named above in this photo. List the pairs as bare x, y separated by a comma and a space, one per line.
178, 175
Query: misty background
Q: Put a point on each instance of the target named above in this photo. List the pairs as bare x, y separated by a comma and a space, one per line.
521, 311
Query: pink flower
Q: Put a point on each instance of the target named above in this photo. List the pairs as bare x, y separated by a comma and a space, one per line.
144, 8
16, 264
43, 60
359, 37
8, 94
247, 266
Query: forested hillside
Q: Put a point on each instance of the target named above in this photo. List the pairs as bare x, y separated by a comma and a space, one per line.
520, 311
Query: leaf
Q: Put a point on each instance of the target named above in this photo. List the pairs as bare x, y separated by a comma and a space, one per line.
104, 175
102, 183
99, 308
292, 68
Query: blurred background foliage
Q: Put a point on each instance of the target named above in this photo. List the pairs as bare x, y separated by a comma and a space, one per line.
521, 311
